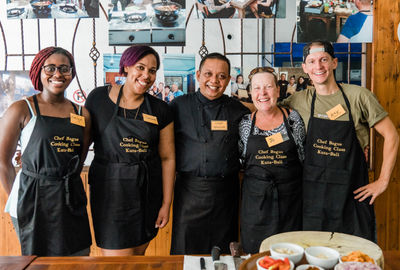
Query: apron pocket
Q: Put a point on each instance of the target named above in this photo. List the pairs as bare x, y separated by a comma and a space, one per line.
78, 195
257, 202
326, 192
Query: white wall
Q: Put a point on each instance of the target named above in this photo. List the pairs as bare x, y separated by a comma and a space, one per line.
65, 28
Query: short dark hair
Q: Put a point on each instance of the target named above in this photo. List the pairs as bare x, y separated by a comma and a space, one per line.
328, 48
133, 54
216, 56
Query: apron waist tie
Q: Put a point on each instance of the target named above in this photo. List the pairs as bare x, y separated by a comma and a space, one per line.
73, 165
273, 188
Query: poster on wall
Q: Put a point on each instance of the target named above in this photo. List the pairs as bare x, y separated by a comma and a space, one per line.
14, 85
289, 80
240, 9
151, 22
64, 9
179, 75
336, 21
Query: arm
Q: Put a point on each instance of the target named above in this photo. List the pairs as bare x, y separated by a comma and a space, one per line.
166, 150
389, 133
13, 121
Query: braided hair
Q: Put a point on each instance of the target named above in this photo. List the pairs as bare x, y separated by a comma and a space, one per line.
38, 62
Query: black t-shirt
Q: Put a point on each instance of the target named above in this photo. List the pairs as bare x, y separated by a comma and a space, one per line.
200, 150
101, 108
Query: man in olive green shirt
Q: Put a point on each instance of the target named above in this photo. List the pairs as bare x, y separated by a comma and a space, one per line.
336, 192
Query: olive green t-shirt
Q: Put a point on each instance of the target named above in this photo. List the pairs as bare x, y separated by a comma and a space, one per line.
365, 108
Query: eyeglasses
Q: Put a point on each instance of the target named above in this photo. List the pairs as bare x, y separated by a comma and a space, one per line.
52, 69
261, 69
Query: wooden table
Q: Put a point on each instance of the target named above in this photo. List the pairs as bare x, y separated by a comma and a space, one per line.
325, 17
108, 263
392, 262
241, 6
15, 262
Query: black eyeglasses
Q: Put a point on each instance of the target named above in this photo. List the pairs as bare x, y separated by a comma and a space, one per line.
52, 69
261, 69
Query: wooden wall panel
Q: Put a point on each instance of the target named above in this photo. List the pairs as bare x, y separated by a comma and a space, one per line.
9, 244
386, 85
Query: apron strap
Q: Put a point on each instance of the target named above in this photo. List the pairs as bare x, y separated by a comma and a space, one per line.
347, 103
118, 101
35, 101
285, 121
75, 109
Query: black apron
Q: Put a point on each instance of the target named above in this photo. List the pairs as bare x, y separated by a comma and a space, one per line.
334, 167
126, 181
271, 190
51, 209
206, 208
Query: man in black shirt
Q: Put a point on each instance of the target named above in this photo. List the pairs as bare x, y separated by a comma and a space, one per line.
207, 186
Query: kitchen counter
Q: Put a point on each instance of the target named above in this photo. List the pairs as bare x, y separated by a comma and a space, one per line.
175, 262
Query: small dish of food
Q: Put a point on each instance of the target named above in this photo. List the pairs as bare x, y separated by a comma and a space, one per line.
276, 263
356, 256
308, 267
322, 256
357, 266
287, 250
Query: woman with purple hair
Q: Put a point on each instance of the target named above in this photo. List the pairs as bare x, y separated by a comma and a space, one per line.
132, 175
47, 201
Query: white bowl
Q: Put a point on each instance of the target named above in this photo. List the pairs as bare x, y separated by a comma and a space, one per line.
297, 250
259, 267
305, 266
314, 254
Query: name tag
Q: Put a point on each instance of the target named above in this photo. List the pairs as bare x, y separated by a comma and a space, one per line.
242, 93
219, 125
336, 112
77, 119
274, 139
150, 118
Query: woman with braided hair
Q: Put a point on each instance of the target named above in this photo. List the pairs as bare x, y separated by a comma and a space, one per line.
47, 202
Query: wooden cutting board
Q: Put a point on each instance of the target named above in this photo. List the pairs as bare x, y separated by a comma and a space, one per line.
343, 243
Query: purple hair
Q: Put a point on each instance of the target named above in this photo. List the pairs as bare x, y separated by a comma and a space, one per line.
133, 54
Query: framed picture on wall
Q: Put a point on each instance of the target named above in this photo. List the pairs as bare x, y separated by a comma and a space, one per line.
240, 9
177, 80
50, 9
150, 22
14, 85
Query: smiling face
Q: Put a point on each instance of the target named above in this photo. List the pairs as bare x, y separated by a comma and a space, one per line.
264, 91
213, 77
320, 66
56, 83
142, 74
